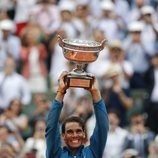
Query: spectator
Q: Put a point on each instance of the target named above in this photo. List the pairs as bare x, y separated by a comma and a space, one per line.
47, 15
11, 136
6, 5
67, 9
110, 23
135, 12
38, 109
9, 43
35, 145
10, 91
13, 115
149, 32
152, 99
136, 53
94, 8
139, 137
121, 8
83, 20
34, 56
118, 97
118, 62
22, 12
38, 32
115, 148
118, 72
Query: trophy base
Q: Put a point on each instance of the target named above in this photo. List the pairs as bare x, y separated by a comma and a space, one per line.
79, 81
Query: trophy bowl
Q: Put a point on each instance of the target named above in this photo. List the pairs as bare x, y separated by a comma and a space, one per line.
80, 52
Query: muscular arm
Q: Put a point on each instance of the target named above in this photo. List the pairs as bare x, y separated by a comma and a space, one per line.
99, 136
53, 141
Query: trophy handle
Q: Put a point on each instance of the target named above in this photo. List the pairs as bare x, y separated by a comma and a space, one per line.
103, 42
60, 40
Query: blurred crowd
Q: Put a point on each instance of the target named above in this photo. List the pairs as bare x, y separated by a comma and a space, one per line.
31, 61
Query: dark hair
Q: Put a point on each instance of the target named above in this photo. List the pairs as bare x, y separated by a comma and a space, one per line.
12, 102
73, 119
114, 111
137, 112
4, 126
34, 124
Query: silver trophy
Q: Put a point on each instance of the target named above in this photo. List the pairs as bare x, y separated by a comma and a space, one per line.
80, 52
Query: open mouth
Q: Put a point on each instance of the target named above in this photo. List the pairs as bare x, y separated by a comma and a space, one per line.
75, 141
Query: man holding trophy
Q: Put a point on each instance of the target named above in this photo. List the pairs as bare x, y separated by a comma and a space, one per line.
73, 130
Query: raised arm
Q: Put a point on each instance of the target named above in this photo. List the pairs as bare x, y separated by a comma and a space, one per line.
99, 136
53, 141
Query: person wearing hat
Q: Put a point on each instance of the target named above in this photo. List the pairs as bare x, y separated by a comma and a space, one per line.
150, 33
135, 13
121, 8
9, 43
117, 60
110, 23
67, 23
46, 15
84, 20
136, 53
118, 72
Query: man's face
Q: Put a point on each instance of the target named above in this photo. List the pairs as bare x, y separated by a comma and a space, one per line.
137, 120
113, 119
148, 18
74, 135
3, 134
136, 36
9, 66
116, 54
139, 3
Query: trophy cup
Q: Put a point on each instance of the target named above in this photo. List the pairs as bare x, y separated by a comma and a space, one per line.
80, 52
